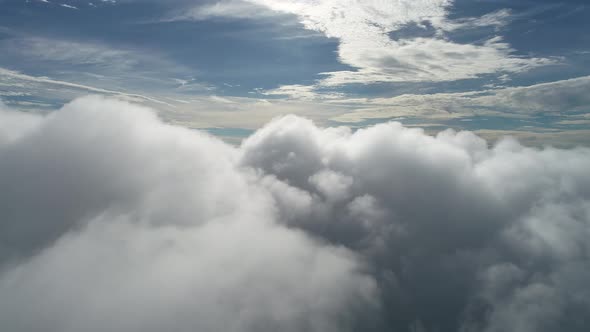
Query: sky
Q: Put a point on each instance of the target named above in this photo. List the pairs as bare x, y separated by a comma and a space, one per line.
230, 66
304, 165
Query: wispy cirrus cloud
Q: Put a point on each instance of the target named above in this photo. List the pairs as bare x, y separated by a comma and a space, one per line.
34, 85
74, 52
59, 54
236, 9
89, 66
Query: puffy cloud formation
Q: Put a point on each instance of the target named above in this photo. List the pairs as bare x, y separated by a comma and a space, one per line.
114, 221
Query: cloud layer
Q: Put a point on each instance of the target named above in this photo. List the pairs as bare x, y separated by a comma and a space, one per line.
115, 221
563, 98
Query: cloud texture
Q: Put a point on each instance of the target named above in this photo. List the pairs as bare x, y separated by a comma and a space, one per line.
364, 30
114, 221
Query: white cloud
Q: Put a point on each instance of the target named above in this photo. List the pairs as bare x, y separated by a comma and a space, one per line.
96, 64
362, 28
27, 83
13, 125
439, 213
497, 19
115, 221
242, 112
231, 8
65, 5
72, 52
300, 92
133, 225
558, 97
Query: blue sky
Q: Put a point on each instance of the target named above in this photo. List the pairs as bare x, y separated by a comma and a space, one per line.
496, 67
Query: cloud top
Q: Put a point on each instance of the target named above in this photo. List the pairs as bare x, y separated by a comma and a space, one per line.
115, 221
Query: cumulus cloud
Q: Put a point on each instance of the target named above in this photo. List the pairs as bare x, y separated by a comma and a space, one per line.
122, 223
115, 221
15, 124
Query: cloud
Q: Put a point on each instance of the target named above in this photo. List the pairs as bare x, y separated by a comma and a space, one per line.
124, 223
71, 52
19, 81
363, 29
437, 216
496, 19
68, 6
229, 9
115, 221
15, 124
301, 92
91, 66
557, 98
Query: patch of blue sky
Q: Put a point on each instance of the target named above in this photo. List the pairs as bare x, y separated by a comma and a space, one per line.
230, 132
235, 55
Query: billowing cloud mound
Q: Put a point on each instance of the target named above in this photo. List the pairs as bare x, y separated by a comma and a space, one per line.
114, 221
